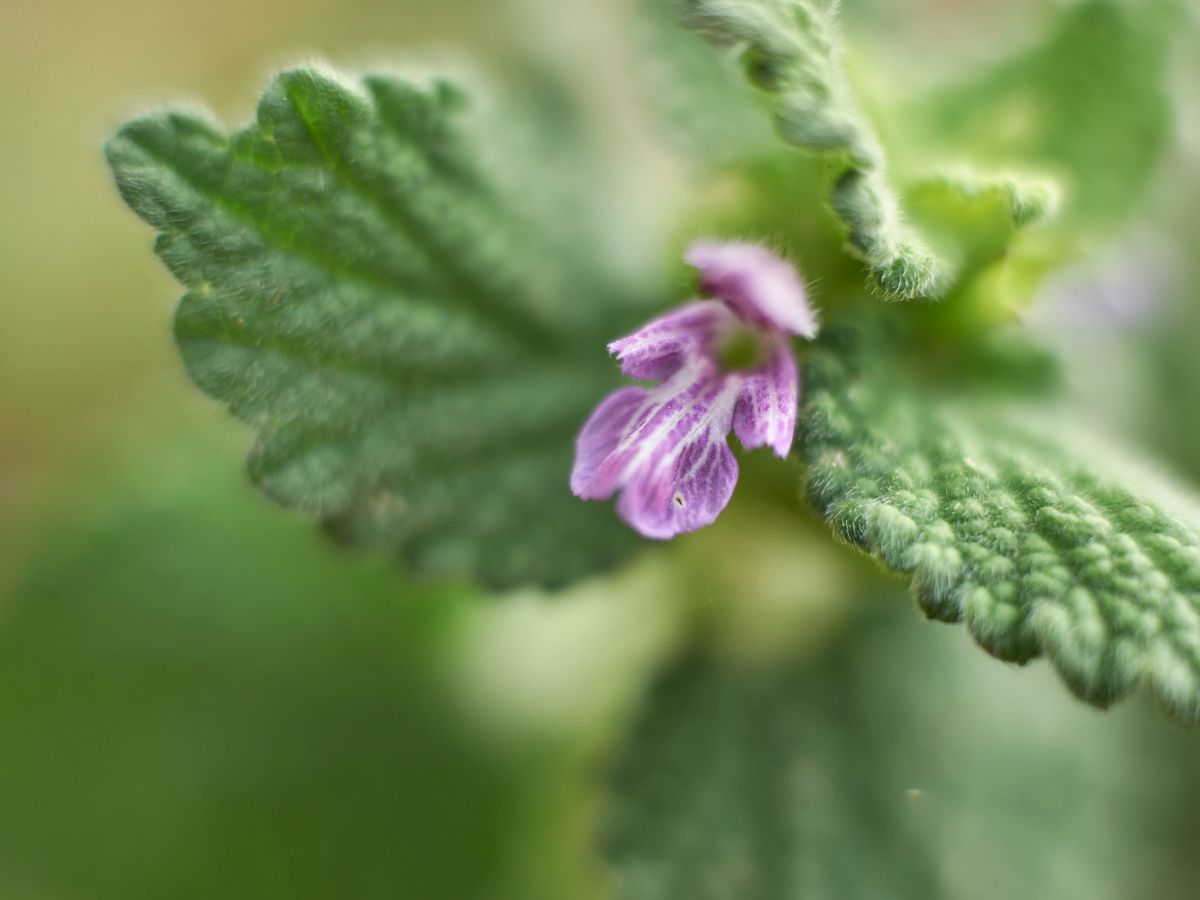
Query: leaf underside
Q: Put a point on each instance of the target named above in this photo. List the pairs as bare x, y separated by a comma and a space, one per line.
748, 779
414, 355
733, 783
1007, 528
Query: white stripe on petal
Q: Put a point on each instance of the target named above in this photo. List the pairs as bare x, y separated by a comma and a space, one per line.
603, 431
765, 415
657, 350
692, 477
672, 460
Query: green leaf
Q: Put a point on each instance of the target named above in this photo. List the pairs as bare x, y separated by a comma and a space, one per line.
973, 219
717, 795
707, 109
792, 50
1007, 519
187, 715
893, 762
969, 168
1088, 106
1082, 118
947, 227
414, 354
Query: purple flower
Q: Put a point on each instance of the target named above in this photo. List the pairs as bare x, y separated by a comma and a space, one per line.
719, 365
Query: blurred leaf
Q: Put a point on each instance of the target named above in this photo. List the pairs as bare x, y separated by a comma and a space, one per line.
975, 222
415, 356
701, 99
892, 763
1087, 106
188, 713
719, 796
1006, 517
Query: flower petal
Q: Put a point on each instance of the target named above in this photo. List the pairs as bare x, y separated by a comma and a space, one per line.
600, 435
668, 412
687, 491
765, 414
659, 349
674, 465
759, 286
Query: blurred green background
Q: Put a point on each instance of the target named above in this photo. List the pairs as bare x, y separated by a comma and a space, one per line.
200, 698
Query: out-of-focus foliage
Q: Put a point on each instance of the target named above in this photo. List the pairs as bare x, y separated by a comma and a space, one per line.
706, 109
204, 700
837, 774
1087, 106
1084, 115
415, 356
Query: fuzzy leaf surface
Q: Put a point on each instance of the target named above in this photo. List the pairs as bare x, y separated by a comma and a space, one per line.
1008, 520
791, 49
414, 354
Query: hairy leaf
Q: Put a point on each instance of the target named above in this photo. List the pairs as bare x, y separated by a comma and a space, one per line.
878, 768
792, 51
415, 355
947, 226
1022, 531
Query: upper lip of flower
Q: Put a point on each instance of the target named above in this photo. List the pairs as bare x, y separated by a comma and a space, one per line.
761, 288
665, 446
